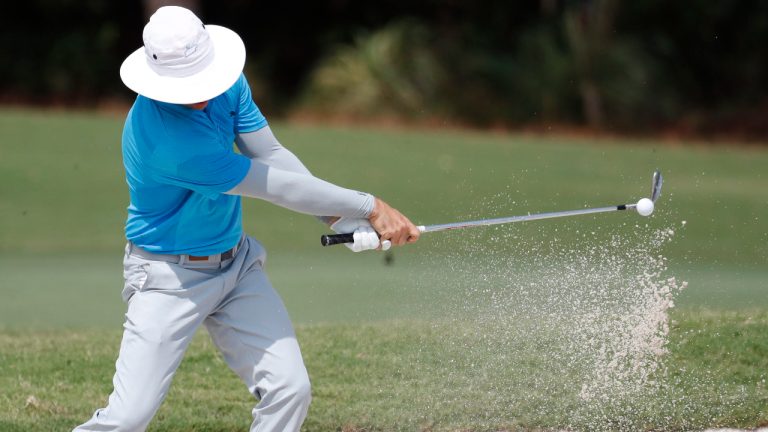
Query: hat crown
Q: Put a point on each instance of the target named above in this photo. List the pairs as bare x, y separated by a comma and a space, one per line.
182, 61
176, 42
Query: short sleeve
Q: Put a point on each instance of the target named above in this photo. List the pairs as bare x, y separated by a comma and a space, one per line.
249, 117
209, 174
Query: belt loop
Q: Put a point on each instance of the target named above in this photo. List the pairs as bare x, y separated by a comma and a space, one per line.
183, 259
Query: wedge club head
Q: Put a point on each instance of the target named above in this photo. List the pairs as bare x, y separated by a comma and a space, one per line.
658, 180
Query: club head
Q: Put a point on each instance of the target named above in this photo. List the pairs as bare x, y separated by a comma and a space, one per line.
658, 180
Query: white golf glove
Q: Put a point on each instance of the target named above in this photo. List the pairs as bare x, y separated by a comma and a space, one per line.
365, 236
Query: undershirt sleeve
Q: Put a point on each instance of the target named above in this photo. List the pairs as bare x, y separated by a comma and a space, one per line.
302, 192
263, 146
278, 176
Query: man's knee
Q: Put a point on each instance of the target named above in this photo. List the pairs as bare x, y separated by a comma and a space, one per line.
301, 388
296, 386
292, 387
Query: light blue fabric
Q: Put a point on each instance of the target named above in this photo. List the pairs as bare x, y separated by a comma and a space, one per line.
178, 163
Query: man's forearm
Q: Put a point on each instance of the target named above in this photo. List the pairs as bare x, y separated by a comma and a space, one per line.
302, 193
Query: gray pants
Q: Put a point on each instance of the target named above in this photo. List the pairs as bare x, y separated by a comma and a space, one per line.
167, 302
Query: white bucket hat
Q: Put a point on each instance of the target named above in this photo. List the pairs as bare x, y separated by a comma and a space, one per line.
183, 61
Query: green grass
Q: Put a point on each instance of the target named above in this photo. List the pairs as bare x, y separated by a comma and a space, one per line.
389, 347
381, 377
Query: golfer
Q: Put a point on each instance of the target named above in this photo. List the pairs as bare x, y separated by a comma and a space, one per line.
187, 261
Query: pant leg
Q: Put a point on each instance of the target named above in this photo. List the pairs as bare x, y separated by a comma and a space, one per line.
166, 304
252, 329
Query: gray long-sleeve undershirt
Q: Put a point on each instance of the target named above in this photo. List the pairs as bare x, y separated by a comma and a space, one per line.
278, 176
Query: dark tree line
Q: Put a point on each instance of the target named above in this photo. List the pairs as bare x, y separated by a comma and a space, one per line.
606, 63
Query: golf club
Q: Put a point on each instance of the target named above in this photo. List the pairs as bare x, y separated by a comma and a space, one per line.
644, 207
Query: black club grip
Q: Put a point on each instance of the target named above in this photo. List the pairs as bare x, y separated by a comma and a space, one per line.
333, 239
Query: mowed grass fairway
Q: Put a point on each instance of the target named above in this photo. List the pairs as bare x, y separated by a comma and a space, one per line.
384, 342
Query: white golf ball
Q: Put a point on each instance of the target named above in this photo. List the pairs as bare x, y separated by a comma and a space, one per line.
644, 207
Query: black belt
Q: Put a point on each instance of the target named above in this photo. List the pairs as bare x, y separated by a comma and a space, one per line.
222, 256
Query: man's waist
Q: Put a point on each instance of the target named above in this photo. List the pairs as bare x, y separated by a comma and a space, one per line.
134, 249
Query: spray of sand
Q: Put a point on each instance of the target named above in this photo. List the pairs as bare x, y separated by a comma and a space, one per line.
568, 332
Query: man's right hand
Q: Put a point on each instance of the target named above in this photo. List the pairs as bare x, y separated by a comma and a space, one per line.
392, 225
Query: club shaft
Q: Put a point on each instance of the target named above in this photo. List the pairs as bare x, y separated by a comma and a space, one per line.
524, 218
332, 239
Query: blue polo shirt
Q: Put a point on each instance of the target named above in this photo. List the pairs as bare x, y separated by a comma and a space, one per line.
178, 164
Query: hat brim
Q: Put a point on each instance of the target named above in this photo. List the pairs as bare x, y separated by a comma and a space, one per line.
215, 79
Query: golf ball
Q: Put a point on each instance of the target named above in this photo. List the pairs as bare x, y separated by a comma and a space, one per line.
644, 207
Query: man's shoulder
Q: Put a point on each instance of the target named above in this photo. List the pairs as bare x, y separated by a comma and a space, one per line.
144, 111
240, 84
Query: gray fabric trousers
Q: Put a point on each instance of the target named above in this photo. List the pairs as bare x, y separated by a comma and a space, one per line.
245, 317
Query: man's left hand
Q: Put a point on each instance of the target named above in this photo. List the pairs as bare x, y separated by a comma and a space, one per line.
366, 238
